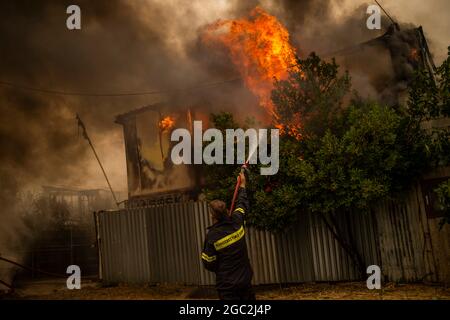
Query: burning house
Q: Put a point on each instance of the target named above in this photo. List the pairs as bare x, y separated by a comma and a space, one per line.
381, 67
200, 67
158, 236
152, 177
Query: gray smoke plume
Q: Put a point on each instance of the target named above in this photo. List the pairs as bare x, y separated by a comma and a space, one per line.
123, 46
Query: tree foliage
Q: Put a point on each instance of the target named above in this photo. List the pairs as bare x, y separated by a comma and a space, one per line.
352, 152
312, 95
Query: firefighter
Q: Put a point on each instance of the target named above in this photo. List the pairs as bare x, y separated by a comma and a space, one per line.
225, 250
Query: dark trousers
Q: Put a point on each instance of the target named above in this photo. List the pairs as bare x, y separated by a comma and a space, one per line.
237, 294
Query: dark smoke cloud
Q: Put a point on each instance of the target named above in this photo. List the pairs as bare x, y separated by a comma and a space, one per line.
380, 72
315, 27
123, 46
117, 50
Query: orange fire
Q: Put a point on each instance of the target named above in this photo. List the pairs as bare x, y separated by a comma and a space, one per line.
166, 124
294, 130
414, 54
259, 47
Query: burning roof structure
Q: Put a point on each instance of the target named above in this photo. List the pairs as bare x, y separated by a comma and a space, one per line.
386, 64
260, 50
150, 171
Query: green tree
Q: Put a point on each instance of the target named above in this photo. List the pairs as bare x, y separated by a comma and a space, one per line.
429, 99
348, 156
312, 96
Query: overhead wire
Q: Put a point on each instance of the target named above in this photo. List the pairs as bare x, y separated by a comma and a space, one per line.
111, 94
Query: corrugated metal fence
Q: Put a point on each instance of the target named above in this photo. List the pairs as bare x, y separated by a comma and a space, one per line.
412, 246
162, 244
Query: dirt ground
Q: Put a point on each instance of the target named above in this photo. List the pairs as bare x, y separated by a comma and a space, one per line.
56, 289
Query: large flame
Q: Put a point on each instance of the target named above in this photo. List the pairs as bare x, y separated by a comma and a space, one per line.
166, 124
259, 47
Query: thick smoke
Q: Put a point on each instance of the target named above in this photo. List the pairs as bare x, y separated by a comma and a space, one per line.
123, 46
380, 70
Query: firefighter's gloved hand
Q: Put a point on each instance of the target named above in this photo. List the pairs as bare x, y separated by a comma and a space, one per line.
242, 175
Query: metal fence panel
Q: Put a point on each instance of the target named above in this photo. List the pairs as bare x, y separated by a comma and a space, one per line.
163, 244
405, 241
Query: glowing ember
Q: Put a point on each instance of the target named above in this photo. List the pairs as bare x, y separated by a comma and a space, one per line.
414, 54
294, 130
166, 124
259, 47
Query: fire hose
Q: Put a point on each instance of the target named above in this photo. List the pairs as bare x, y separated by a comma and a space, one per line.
236, 188
238, 182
